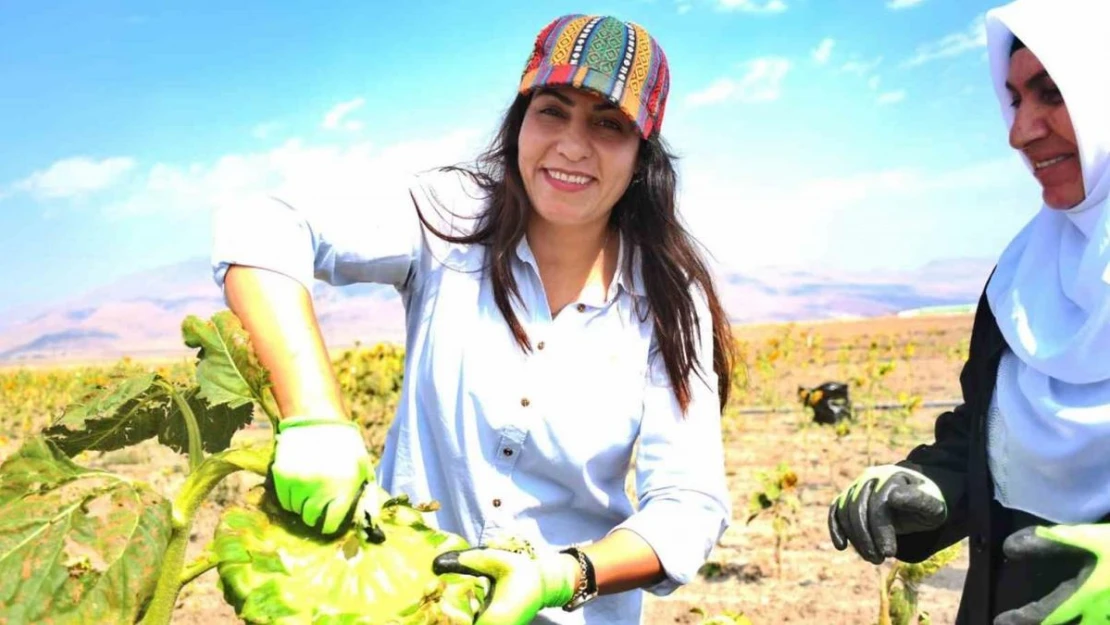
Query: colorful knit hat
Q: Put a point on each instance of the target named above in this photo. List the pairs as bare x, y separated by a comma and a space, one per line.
618, 60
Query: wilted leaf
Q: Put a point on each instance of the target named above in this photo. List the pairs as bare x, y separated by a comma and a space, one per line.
113, 417
725, 618
844, 428
773, 491
76, 545
217, 424
915, 573
228, 370
711, 570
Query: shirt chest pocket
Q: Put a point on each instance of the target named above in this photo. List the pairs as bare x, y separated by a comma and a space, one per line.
595, 403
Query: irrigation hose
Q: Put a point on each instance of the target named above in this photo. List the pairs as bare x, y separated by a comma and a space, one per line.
947, 403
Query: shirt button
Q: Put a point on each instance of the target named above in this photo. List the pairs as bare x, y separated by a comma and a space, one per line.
581, 308
496, 503
539, 345
508, 452
524, 402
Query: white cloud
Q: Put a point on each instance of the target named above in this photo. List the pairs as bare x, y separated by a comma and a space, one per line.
864, 70
179, 189
752, 6
892, 97
721, 90
754, 220
823, 51
335, 117
955, 44
793, 216
744, 6
75, 177
761, 83
861, 68
896, 5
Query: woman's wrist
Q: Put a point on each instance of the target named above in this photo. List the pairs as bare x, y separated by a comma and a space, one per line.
584, 581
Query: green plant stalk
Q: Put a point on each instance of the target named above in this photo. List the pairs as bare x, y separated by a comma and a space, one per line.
915, 612
885, 582
196, 451
196, 488
870, 430
269, 408
778, 549
198, 567
909, 590
873, 385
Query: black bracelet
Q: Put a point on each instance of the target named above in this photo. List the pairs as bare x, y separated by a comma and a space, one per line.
589, 591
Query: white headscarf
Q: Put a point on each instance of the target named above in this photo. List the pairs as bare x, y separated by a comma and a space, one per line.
1051, 289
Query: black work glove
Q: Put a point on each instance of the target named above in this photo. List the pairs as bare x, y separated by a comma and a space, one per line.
885, 501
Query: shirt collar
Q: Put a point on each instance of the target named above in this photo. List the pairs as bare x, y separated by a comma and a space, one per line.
633, 283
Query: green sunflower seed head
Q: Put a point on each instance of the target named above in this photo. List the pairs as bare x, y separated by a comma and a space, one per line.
276, 570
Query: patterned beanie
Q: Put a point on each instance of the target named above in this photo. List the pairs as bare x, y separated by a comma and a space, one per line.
618, 60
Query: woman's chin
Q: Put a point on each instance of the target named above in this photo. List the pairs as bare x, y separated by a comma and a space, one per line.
563, 216
1061, 200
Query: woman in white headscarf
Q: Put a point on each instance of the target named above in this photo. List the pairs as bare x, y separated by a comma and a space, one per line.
1022, 468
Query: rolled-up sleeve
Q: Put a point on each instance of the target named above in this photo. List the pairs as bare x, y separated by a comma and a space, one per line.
684, 504
339, 238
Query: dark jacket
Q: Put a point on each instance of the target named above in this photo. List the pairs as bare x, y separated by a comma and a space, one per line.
957, 462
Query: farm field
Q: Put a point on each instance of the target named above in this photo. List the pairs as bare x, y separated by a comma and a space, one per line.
779, 568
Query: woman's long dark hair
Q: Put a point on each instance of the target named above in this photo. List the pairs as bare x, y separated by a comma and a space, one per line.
645, 215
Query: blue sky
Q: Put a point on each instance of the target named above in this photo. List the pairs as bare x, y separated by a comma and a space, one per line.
835, 133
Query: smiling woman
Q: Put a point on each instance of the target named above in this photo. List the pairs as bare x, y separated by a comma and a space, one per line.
1042, 128
1022, 467
571, 330
577, 157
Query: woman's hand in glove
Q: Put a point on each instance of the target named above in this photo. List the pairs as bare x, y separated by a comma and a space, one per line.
319, 468
883, 502
522, 584
1084, 599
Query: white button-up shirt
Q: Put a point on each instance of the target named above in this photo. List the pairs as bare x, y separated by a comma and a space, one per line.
538, 445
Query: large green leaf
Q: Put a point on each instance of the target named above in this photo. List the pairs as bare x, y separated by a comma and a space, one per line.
217, 424
76, 545
112, 417
142, 407
228, 370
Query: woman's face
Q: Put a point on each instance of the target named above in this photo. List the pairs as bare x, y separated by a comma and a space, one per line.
1043, 131
577, 155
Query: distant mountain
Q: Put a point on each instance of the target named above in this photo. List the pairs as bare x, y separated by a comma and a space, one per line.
788, 294
140, 316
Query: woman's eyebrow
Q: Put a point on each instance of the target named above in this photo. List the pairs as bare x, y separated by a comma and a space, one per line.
1029, 84
603, 106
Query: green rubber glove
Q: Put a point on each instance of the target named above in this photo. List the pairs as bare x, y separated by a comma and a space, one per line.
319, 468
522, 584
1086, 597
883, 502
